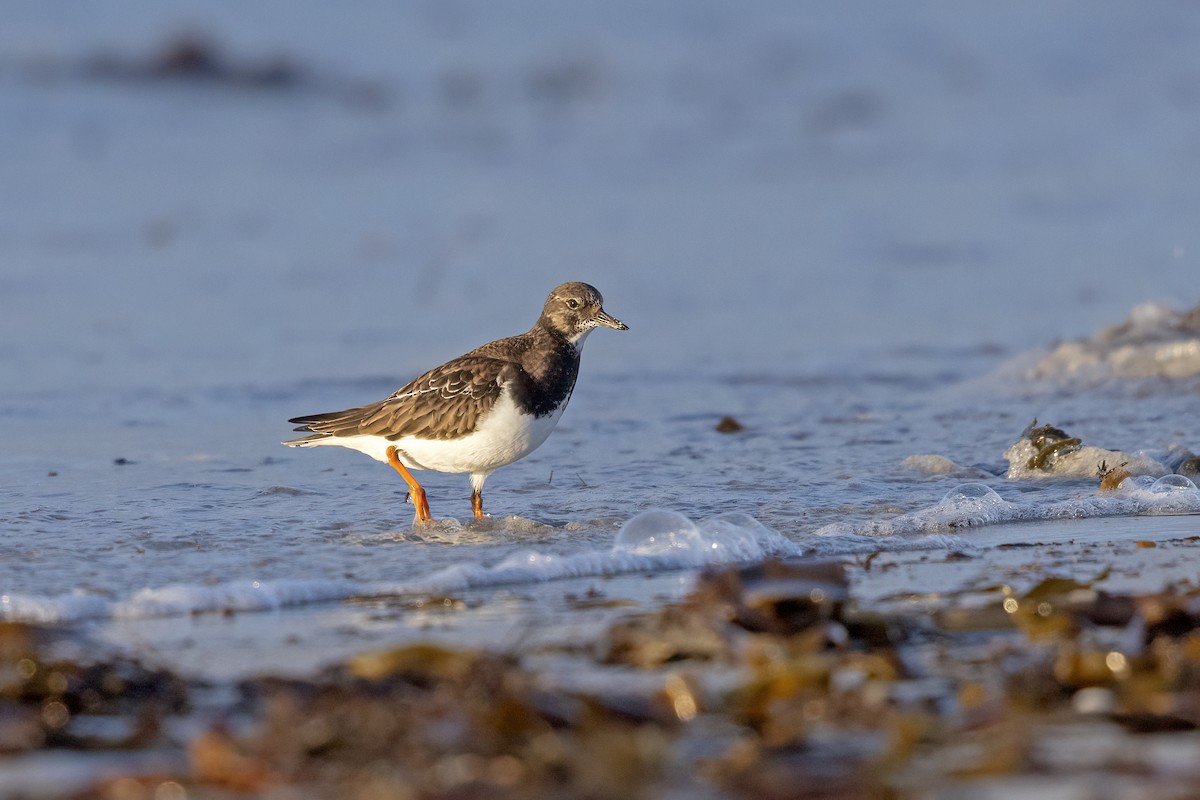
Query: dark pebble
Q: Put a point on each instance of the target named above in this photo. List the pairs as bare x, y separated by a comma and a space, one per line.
729, 425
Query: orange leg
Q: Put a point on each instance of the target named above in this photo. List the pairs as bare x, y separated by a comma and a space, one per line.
414, 489
477, 503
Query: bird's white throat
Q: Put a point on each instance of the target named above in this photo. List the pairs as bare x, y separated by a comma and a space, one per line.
578, 339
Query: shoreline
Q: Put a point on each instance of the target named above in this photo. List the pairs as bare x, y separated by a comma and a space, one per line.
295, 641
899, 641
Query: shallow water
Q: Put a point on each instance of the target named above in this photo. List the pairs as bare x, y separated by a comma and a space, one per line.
861, 236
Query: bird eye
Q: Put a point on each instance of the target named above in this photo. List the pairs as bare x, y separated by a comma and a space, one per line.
572, 303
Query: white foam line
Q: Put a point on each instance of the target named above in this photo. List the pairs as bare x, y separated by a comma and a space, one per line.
652, 540
975, 504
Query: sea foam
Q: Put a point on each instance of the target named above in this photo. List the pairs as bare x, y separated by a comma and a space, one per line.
653, 540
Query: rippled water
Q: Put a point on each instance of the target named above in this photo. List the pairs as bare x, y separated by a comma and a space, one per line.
862, 237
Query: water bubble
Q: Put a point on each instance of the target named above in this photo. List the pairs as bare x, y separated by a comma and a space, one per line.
658, 532
970, 504
735, 532
1172, 483
974, 493
741, 537
971, 490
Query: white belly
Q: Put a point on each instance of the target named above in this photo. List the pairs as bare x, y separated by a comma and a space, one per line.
503, 436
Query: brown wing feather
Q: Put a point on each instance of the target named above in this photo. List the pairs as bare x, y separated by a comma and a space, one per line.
444, 403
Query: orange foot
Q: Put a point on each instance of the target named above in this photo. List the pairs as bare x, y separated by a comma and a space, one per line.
415, 492
477, 504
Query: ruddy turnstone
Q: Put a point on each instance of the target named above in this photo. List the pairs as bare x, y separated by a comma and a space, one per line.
480, 411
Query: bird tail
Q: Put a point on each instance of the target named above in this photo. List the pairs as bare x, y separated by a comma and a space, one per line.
305, 425
307, 441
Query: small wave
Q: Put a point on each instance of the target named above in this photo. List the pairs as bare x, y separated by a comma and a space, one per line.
1154, 342
289, 491
971, 505
652, 540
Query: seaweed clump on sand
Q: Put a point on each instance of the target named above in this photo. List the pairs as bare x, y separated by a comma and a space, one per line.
1047, 451
428, 721
1048, 441
765, 681
986, 687
49, 701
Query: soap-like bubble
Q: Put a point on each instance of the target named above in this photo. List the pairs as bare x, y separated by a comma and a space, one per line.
967, 505
741, 537
658, 532
973, 493
1168, 484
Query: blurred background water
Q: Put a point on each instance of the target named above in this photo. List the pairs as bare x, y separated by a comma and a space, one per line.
831, 221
